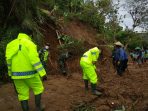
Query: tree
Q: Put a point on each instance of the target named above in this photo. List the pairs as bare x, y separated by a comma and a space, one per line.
111, 26
138, 11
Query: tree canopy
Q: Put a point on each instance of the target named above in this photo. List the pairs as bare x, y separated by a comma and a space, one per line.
100, 14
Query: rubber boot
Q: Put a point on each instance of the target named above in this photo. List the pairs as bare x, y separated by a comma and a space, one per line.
24, 105
94, 91
39, 107
86, 84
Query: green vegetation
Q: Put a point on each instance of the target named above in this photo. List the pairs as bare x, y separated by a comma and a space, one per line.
16, 15
71, 44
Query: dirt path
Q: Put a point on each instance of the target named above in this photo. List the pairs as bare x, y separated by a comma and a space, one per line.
61, 94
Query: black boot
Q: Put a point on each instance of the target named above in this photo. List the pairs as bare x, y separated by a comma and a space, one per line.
94, 91
86, 84
24, 105
39, 107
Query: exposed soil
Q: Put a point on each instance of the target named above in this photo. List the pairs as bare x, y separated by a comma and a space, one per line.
62, 94
65, 94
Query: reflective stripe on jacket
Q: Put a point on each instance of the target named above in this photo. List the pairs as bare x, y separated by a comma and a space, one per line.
22, 58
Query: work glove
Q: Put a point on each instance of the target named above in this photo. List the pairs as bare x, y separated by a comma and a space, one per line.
118, 62
44, 78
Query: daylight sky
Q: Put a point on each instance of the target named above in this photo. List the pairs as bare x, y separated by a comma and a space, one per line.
128, 20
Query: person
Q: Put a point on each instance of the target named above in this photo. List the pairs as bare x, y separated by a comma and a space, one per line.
146, 55
25, 69
62, 62
143, 55
87, 63
132, 56
44, 55
139, 56
125, 61
121, 58
113, 56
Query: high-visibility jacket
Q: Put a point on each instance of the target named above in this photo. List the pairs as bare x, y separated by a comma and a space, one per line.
90, 56
23, 59
43, 54
46, 53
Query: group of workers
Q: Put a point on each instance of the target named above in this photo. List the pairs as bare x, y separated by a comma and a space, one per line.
26, 67
44, 55
139, 55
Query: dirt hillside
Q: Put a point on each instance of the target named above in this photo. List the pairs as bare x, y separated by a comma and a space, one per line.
67, 94
79, 31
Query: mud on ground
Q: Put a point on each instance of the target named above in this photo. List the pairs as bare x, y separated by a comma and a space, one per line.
62, 94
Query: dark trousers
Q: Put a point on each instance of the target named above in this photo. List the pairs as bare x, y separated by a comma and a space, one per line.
122, 66
114, 63
62, 66
125, 64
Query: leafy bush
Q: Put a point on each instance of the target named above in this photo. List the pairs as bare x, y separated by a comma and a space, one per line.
3, 65
71, 44
90, 15
7, 35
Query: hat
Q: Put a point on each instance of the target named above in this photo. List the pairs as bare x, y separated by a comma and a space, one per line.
118, 43
137, 48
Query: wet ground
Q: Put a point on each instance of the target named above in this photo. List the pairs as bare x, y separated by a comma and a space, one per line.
62, 94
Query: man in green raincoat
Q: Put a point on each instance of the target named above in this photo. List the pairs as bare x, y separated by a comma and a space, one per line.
87, 63
25, 69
